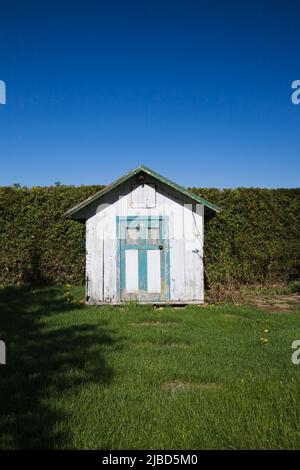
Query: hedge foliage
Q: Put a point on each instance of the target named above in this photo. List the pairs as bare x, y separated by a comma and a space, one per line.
37, 244
256, 237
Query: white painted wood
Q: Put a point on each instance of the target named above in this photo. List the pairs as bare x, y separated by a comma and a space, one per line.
174, 209
110, 270
132, 271
94, 264
193, 240
143, 196
185, 237
177, 270
153, 271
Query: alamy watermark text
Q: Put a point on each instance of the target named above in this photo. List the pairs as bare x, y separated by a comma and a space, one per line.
2, 92
2, 352
296, 353
295, 96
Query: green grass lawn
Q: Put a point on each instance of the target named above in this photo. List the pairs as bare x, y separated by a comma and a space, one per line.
138, 377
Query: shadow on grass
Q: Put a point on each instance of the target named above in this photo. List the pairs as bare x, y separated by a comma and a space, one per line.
42, 363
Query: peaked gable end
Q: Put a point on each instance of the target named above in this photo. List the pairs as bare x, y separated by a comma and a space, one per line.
139, 175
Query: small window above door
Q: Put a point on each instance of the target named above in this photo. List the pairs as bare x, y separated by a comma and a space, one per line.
132, 235
153, 235
143, 196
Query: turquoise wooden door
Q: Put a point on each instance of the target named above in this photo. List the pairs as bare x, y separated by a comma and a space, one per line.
143, 260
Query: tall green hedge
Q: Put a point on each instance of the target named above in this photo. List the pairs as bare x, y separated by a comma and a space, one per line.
256, 237
37, 244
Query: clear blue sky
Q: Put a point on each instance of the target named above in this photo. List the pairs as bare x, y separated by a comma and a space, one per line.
197, 90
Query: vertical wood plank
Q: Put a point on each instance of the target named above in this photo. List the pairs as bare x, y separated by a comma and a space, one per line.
131, 271
153, 270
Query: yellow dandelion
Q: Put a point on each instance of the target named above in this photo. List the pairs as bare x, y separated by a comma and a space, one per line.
263, 340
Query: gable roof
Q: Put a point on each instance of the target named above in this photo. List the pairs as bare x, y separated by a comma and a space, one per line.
129, 175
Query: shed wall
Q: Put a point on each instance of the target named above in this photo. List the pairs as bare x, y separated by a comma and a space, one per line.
186, 222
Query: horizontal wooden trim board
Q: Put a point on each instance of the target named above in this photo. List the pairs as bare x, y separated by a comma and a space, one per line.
169, 303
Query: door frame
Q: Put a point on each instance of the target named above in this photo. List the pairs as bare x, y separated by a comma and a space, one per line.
165, 253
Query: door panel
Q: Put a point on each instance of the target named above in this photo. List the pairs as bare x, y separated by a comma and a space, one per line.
132, 271
143, 258
154, 271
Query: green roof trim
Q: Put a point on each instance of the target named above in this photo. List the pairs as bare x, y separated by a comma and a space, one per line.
129, 175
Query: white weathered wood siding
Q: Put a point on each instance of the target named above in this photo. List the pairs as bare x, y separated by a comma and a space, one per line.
186, 232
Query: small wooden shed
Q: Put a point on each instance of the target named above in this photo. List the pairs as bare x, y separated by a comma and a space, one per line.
144, 241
